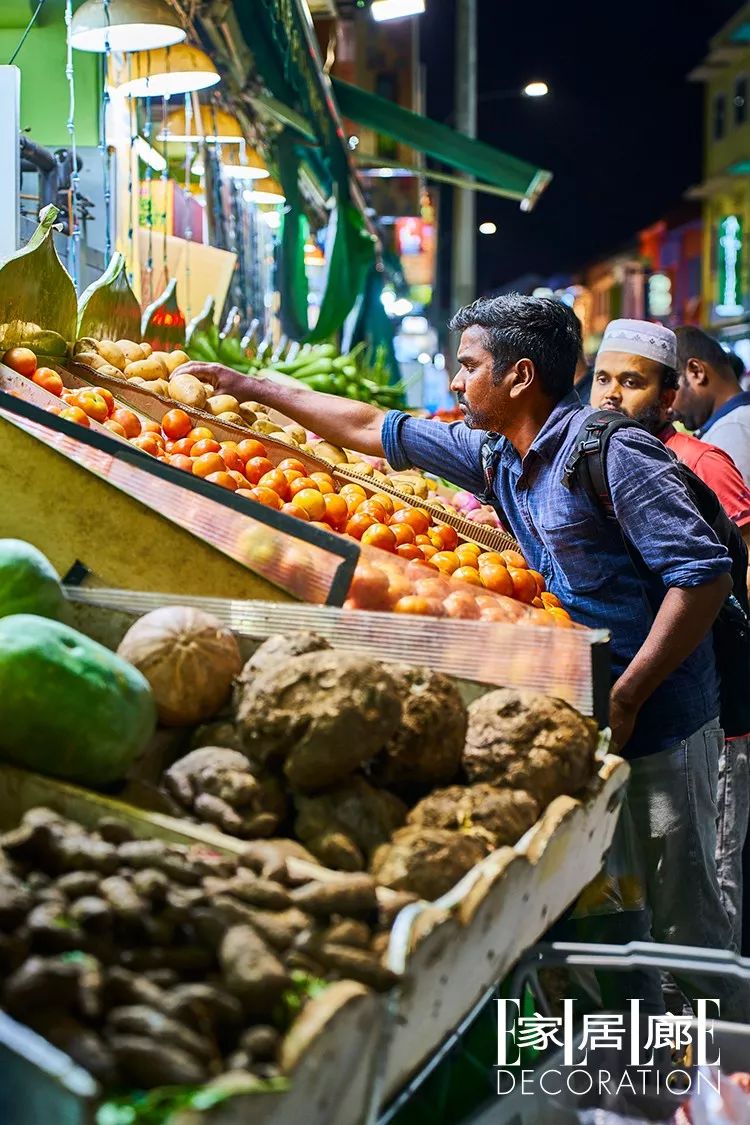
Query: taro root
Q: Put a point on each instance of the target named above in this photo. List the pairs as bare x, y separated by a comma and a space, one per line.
321, 716
428, 861
269, 857
252, 972
500, 815
144, 1063
188, 657
529, 741
426, 748
218, 786
139, 1019
345, 825
81, 1043
274, 651
353, 895
352, 964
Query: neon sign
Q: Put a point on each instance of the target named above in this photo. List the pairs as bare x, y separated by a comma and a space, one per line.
730, 266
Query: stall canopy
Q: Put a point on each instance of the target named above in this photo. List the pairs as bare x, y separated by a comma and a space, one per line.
493, 171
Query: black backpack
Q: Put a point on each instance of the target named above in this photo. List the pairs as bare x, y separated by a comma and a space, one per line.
731, 631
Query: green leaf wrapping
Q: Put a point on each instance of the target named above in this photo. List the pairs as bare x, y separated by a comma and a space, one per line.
37, 296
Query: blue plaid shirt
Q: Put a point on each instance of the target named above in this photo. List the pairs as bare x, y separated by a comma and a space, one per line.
564, 534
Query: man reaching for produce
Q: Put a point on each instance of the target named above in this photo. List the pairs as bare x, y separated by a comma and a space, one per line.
517, 359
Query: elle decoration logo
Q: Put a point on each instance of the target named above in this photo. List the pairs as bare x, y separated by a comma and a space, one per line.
730, 268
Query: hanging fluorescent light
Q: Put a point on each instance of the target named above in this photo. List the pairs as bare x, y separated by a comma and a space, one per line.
383, 10
211, 124
198, 167
171, 70
149, 155
125, 25
272, 219
270, 191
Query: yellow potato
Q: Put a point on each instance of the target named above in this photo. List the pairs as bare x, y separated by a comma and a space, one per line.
145, 348
220, 404
161, 358
157, 387
231, 416
248, 412
329, 452
362, 468
288, 439
299, 433
147, 369
92, 359
86, 344
188, 390
132, 352
265, 426
112, 353
255, 407
176, 359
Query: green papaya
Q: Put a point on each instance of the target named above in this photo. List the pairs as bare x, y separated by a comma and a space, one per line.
28, 581
68, 706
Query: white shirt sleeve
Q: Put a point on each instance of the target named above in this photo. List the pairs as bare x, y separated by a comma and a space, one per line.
734, 439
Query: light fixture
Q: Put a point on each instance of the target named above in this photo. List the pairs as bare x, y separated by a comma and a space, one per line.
272, 219
488, 228
536, 89
383, 10
251, 168
125, 25
270, 191
198, 167
211, 124
149, 155
401, 307
424, 357
170, 70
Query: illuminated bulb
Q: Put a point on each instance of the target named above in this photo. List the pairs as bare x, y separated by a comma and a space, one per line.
125, 25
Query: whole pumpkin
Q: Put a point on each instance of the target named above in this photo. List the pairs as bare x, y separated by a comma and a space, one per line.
188, 657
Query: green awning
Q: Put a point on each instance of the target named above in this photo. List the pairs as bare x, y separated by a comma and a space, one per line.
506, 174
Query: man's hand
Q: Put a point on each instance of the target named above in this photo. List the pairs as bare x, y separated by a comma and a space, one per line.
622, 717
224, 380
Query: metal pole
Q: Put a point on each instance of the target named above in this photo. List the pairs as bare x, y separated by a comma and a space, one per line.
464, 201
10, 170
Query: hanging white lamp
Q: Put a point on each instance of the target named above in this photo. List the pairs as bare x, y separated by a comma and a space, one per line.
125, 25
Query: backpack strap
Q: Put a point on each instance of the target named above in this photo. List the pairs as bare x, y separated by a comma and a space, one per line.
489, 456
588, 457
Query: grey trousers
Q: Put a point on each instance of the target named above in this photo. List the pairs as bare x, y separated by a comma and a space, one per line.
672, 801
734, 813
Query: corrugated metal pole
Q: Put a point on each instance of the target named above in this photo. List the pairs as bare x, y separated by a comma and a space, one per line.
464, 201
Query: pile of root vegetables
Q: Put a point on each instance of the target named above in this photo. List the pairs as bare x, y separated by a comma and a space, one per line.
151, 963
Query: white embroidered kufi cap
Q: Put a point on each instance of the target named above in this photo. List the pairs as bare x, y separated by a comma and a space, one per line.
641, 337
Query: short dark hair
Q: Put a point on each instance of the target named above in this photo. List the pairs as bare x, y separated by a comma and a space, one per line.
693, 343
670, 380
737, 364
541, 329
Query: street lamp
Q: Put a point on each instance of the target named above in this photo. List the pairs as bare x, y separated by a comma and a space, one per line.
536, 89
488, 228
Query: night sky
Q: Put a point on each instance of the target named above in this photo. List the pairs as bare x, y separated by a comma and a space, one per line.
621, 130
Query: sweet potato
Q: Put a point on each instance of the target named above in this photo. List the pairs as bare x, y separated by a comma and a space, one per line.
353, 897
143, 1063
251, 970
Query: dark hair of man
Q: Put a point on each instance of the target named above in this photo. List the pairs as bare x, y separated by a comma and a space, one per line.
737, 364
670, 380
541, 329
693, 343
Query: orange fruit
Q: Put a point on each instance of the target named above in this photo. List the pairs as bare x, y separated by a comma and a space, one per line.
460, 603
468, 553
149, 443
418, 518
379, 535
115, 427
292, 464
427, 550
560, 616
312, 501
408, 551
49, 379
200, 433
369, 587
180, 461
240, 478
205, 445
541, 585
524, 583
404, 533
413, 603
129, 421
21, 360
385, 501
445, 561
374, 509
337, 512
468, 574
550, 600
514, 558
208, 463
183, 446
447, 537
276, 480
108, 397
176, 424
231, 455
495, 577
358, 524
148, 426
255, 467
292, 474
267, 497
75, 414
490, 558
295, 510
324, 482
224, 480
250, 447
299, 483
94, 405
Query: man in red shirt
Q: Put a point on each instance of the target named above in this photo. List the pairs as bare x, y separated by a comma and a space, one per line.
645, 390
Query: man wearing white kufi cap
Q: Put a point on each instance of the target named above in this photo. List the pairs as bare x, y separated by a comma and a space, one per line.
521, 420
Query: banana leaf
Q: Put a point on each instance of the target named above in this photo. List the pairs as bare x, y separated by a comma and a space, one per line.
163, 324
37, 296
109, 309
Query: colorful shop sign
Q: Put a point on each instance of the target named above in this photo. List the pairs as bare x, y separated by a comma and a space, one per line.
729, 272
